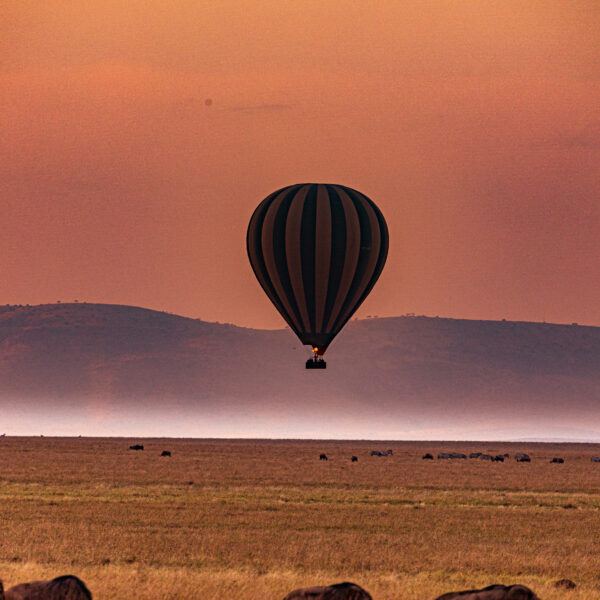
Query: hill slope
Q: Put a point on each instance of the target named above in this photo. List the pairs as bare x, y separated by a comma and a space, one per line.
409, 370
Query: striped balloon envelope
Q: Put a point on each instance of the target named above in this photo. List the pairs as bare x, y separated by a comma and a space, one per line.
317, 250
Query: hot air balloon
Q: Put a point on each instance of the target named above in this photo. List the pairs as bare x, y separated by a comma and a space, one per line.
317, 250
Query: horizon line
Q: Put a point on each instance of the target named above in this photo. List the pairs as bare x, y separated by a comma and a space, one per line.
536, 440
409, 315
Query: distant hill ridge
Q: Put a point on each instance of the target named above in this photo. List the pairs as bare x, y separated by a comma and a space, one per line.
397, 365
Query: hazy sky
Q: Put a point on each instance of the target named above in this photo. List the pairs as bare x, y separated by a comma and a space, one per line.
474, 125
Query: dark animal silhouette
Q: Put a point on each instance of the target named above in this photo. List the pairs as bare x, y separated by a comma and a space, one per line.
457, 455
65, 587
498, 458
486, 457
566, 584
322, 456
354, 459
451, 455
475, 454
137, 447
427, 456
381, 453
337, 591
165, 453
557, 460
493, 592
521, 457
595, 459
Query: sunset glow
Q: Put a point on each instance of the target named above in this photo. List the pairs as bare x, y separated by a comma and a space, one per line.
137, 139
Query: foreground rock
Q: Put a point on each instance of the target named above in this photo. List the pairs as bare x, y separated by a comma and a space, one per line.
66, 587
337, 591
493, 592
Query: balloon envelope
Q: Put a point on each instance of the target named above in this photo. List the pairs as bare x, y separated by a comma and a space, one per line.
317, 250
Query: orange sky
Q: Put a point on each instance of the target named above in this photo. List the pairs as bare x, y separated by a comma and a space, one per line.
474, 125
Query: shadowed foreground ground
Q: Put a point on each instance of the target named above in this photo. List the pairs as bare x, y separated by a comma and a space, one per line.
258, 519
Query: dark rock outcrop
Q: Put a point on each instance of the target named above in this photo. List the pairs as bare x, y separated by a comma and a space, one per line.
65, 587
337, 591
493, 592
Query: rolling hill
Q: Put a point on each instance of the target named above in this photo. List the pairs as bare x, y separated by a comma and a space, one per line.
402, 374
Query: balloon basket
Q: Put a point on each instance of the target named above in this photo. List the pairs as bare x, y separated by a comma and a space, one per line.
316, 363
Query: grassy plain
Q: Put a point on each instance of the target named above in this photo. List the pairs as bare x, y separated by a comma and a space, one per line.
255, 519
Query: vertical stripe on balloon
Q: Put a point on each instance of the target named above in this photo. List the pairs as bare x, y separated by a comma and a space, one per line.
322, 254
308, 233
293, 245
255, 254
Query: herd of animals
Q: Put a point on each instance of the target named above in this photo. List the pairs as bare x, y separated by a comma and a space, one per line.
519, 456
69, 587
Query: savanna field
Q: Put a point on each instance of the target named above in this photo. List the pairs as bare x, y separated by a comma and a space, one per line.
256, 519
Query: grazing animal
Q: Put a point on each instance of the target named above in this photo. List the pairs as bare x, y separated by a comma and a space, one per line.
457, 455
595, 459
486, 457
493, 592
567, 584
557, 460
381, 453
65, 587
521, 457
137, 447
165, 453
443, 455
427, 456
354, 459
337, 591
475, 454
322, 456
498, 458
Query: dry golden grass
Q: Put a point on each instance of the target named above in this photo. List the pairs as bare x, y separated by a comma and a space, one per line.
252, 519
